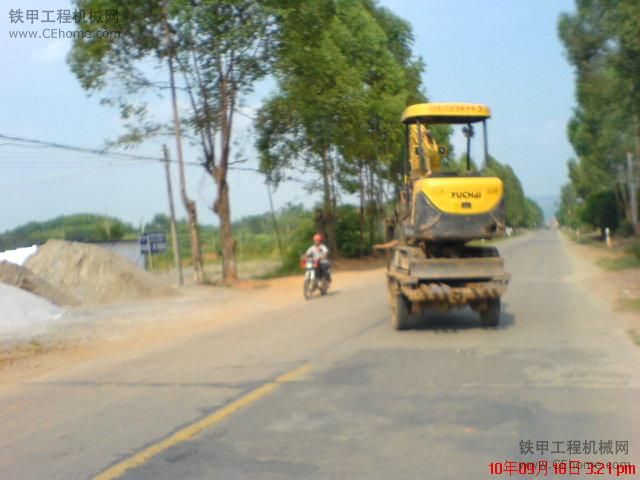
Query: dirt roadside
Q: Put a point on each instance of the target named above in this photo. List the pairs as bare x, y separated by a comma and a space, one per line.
135, 327
612, 287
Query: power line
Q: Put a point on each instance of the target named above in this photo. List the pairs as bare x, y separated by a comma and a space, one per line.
93, 151
52, 181
101, 152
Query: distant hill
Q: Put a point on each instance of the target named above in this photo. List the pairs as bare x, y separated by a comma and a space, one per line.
80, 227
547, 204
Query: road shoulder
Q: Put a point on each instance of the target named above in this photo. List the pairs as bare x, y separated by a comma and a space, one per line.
613, 288
129, 329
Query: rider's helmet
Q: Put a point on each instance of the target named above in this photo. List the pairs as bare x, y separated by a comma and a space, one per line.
317, 238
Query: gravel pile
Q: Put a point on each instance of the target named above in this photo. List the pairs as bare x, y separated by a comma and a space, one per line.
92, 274
25, 279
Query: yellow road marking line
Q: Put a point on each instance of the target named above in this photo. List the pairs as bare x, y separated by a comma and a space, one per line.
293, 374
192, 430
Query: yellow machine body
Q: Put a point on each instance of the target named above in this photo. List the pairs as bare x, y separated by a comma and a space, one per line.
461, 195
448, 207
450, 112
432, 264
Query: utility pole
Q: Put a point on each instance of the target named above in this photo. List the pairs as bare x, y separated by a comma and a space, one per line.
174, 229
633, 197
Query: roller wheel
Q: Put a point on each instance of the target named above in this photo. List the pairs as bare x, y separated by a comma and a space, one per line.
491, 315
400, 308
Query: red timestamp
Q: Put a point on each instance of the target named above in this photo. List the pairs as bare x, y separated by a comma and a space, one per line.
544, 468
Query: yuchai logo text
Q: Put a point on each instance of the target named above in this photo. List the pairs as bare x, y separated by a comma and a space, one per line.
466, 195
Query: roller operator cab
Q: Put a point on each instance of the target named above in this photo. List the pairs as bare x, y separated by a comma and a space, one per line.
448, 206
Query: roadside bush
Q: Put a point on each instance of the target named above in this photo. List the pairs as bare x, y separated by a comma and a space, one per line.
255, 245
348, 232
601, 211
297, 244
626, 228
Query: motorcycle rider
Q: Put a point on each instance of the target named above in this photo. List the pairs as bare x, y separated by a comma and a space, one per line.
320, 253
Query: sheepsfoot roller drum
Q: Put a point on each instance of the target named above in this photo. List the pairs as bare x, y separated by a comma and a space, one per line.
444, 207
416, 282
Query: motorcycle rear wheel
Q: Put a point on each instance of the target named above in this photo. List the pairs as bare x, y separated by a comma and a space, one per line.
324, 286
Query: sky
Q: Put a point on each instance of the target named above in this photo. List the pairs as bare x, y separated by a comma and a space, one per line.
502, 53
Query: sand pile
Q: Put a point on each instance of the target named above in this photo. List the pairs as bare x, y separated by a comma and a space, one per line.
93, 274
25, 279
21, 310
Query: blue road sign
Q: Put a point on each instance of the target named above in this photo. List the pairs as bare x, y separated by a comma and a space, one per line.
155, 242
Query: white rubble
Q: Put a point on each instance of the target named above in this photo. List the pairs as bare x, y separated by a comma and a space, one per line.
22, 312
19, 255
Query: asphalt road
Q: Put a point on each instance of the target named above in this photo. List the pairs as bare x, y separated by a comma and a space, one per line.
325, 389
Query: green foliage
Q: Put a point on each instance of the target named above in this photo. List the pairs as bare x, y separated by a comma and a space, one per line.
568, 213
81, 227
255, 235
625, 229
214, 49
345, 72
630, 258
160, 222
619, 263
600, 210
348, 233
634, 250
602, 42
534, 217
458, 166
298, 241
520, 211
631, 305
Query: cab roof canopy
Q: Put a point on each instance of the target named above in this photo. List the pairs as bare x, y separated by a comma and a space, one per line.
430, 113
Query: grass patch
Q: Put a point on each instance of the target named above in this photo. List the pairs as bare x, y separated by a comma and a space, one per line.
619, 263
635, 336
590, 238
629, 304
582, 240
282, 271
634, 250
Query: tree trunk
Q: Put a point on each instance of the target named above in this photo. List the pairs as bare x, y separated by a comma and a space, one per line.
372, 208
381, 205
222, 205
361, 212
634, 180
194, 234
276, 230
636, 122
228, 244
328, 210
633, 198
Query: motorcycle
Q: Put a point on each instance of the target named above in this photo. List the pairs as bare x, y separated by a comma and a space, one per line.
313, 278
